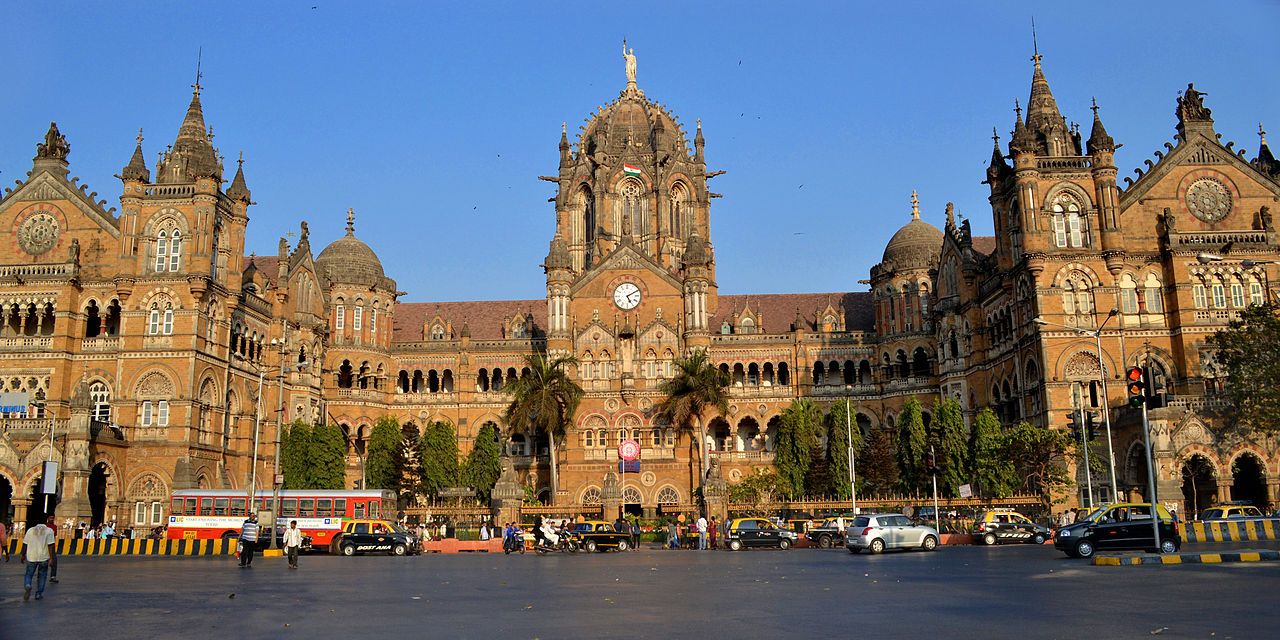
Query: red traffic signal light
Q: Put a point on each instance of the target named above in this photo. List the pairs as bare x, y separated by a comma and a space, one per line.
1137, 387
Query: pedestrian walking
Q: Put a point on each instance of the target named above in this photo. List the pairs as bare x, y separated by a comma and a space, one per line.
41, 547
715, 529
673, 535
248, 540
293, 543
484, 532
702, 533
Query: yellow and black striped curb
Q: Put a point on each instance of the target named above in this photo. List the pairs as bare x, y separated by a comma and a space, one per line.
122, 547
1186, 558
1233, 530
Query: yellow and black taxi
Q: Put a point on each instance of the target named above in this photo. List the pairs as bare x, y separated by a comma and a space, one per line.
757, 532
1119, 526
375, 536
598, 535
1006, 525
1231, 511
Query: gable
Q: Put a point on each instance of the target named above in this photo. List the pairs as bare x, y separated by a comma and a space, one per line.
1200, 151
625, 258
46, 187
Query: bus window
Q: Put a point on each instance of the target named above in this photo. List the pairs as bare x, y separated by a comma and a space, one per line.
176, 507
374, 509
307, 508
358, 509
220, 506
190, 509
340, 507
288, 507
265, 504
206, 506
237, 506
324, 507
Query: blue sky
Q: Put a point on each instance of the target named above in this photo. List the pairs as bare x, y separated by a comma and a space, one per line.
434, 120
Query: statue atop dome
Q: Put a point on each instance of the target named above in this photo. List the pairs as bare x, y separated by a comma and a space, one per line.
630, 56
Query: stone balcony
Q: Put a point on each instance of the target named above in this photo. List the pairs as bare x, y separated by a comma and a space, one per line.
33, 426
100, 344
26, 343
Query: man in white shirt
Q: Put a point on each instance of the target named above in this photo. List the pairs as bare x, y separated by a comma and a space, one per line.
293, 543
40, 542
702, 533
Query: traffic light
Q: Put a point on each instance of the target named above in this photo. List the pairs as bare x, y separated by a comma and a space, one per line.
1091, 425
1137, 387
1072, 425
930, 463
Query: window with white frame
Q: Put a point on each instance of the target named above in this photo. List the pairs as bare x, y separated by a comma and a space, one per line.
373, 321
162, 251
1255, 292
175, 250
1219, 295
1059, 230
167, 329
1198, 294
1154, 296
162, 413
357, 318
146, 413
1128, 295
153, 320
1237, 295
100, 396
340, 317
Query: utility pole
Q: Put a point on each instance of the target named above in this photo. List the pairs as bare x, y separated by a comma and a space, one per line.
853, 489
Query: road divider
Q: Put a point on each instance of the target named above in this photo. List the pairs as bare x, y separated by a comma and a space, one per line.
451, 545
1233, 530
1134, 560
124, 547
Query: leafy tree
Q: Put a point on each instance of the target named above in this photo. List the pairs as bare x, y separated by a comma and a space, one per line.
1040, 458
912, 443
545, 401
696, 387
383, 451
1249, 350
295, 454
328, 458
797, 436
877, 466
439, 453
755, 492
408, 461
952, 447
989, 467
840, 425
483, 464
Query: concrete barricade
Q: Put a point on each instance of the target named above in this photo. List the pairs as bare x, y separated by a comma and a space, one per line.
1232, 530
122, 547
451, 545
1186, 558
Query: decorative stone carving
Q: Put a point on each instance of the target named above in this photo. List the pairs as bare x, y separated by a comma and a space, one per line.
38, 233
155, 384
1208, 200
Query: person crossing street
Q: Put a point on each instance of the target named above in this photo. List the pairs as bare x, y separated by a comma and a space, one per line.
40, 549
248, 540
293, 543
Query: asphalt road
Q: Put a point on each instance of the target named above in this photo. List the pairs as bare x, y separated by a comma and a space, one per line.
957, 592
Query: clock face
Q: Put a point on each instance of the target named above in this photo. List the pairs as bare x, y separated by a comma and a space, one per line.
626, 296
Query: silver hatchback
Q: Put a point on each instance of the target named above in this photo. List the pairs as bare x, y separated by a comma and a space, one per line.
889, 531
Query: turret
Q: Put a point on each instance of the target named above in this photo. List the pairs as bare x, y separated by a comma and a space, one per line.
1102, 148
136, 170
239, 191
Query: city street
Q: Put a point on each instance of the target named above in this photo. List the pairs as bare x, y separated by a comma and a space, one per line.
964, 592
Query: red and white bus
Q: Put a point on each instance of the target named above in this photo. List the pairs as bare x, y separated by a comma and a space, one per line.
210, 514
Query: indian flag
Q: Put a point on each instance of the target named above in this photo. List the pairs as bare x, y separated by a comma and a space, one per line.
630, 170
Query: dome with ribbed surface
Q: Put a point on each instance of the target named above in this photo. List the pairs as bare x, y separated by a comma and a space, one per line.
916, 244
347, 260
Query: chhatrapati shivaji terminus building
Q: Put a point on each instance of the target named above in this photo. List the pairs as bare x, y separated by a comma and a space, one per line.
137, 330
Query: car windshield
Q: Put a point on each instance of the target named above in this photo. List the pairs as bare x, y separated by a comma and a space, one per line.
398, 528
861, 521
1093, 516
585, 527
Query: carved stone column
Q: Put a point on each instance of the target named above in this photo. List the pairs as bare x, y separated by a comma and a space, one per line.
507, 496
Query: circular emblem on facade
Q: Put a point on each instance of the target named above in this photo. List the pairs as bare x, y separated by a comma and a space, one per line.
629, 450
38, 233
611, 404
648, 479
645, 404
735, 474
1208, 199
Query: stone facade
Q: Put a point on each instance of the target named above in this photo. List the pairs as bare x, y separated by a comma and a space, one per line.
148, 339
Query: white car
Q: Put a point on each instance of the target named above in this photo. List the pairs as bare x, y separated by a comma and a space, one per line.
888, 531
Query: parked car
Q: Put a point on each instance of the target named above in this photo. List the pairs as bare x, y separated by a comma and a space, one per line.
1231, 512
882, 531
376, 536
1119, 526
829, 533
1006, 525
757, 532
598, 535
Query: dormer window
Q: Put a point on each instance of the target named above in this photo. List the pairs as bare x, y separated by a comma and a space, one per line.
437, 332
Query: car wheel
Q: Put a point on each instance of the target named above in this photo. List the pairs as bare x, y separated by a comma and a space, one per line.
735, 545
348, 550
930, 543
1037, 538
623, 545
399, 549
876, 546
784, 544
1084, 549
824, 542
591, 546
989, 539
1168, 546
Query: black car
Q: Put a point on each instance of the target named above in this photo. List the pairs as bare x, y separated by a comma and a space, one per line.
757, 532
1115, 527
1006, 525
828, 534
376, 536
594, 535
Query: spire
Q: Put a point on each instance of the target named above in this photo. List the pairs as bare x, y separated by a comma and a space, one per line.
1099, 140
136, 170
951, 216
915, 205
558, 255
998, 166
565, 156
1022, 140
192, 155
698, 141
351, 221
238, 189
1266, 161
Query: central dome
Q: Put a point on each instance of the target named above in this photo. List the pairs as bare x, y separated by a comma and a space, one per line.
915, 245
347, 260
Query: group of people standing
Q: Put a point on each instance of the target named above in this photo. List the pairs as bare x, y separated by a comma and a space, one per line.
699, 534
250, 532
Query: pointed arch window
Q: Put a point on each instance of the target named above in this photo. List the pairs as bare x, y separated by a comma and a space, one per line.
100, 396
437, 332
162, 250
357, 318
1198, 294
680, 211
175, 250
1070, 227
632, 209
1255, 292
1153, 296
1237, 294
340, 317
1128, 295
1219, 295
167, 328
153, 320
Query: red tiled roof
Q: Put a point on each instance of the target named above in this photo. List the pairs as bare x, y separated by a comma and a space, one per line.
484, 318
779, 309
986, 245
268, 266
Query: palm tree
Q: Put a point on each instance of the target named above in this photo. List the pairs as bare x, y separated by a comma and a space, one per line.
544, 400
696, 386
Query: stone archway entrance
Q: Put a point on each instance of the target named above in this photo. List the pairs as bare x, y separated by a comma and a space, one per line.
1199, 486
98, 494
6, 501
1248, 482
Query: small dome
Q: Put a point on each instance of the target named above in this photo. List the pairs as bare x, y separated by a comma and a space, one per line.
347, 260
914, 246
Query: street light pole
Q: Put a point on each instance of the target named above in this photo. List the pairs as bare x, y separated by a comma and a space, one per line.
253, 462
853, 474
